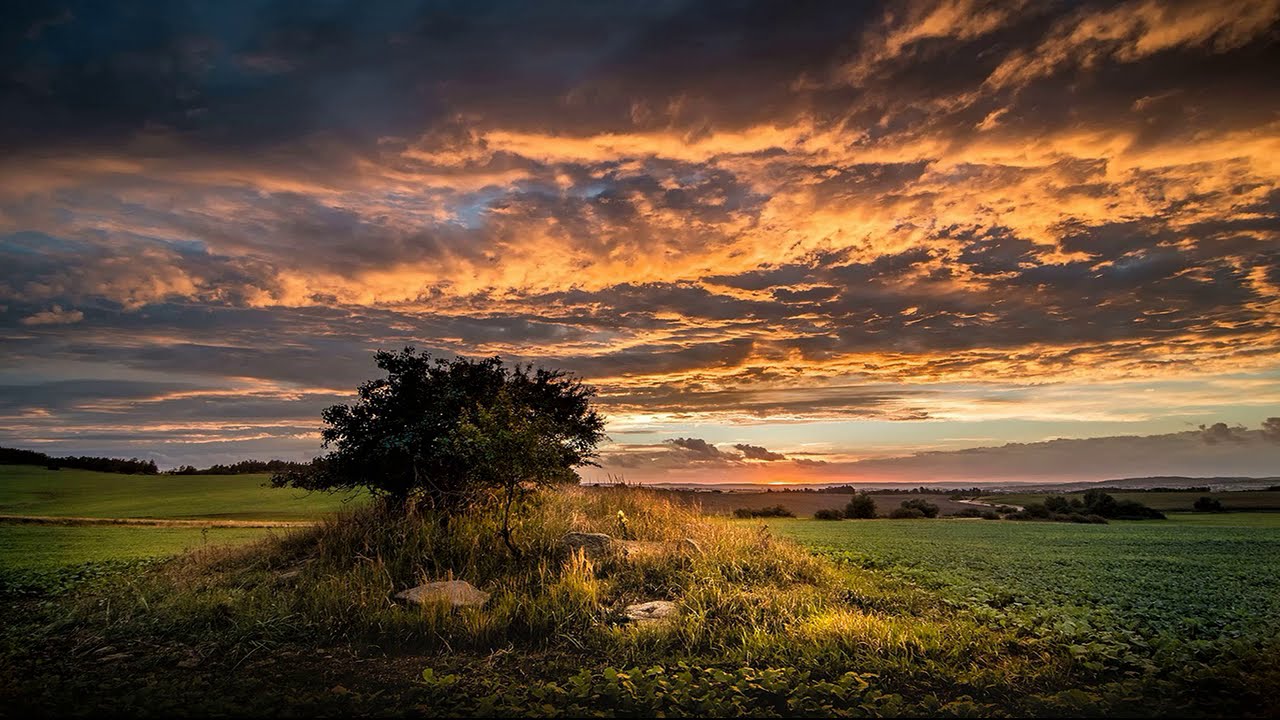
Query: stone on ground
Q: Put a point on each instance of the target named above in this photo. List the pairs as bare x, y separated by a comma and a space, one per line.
592, 544
457, 593
650, 612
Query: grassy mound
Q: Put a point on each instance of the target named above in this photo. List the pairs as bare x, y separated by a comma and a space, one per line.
764, 628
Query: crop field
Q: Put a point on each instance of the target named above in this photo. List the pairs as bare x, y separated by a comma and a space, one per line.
803, 504
30, 490
1243, 500
1190, 579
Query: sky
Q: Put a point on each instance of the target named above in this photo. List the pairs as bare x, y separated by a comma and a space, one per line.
788, 242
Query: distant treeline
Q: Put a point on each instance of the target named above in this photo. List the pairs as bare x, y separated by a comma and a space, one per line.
132, 466
244, 467
851, 489
1190, 488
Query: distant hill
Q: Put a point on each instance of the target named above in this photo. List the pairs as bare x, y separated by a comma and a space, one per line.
1217, 483
1164, 481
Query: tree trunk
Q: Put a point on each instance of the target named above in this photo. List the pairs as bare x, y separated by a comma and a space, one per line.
506, 523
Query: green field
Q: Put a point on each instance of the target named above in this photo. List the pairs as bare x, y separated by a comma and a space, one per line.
30, 550
32, 490
43, 547
1244, 500
1190, 577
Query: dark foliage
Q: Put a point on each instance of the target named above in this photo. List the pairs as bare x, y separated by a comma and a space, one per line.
1096, 506
775, 511
449, 433
132, 466
906, 513
1208, 504
926, 508
829, 514
243, 467
861, 507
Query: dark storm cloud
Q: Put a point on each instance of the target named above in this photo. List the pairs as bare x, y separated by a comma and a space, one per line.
243, 76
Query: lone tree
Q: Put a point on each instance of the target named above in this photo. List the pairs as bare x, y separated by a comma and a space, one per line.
861, 507
448, 434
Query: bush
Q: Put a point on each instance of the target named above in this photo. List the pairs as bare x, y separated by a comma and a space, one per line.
926, 508
828, 514
766, 512
907, 513
1208, 504
861, 507
1132, 510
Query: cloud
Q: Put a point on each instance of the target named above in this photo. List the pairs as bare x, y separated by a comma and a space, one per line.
54, 316
1221, 432
1271, 429
756, 452
854, 213
698, 448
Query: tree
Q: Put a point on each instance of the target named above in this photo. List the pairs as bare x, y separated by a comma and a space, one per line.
861, 507
1099, 502
450, 433
503, 446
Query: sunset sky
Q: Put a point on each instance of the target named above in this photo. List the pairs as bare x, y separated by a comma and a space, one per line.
788, 241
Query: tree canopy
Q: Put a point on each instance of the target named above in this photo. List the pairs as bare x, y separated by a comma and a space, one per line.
451, 432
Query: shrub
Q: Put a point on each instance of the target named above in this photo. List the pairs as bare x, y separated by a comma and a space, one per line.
1132, 510
828, 514
765, 512
1208, 504
907, 513
861, 507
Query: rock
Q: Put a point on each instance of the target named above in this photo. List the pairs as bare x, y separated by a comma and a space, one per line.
591, 544
457, 593
650, 612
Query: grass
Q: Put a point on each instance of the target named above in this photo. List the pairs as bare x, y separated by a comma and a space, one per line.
1179, 501
33, 490
764, 627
